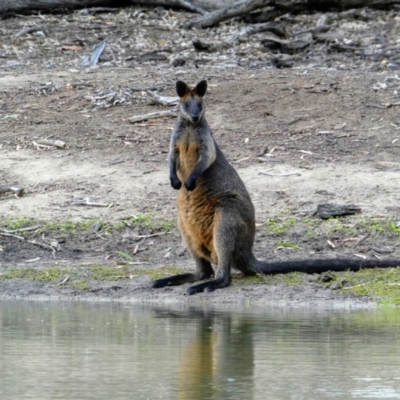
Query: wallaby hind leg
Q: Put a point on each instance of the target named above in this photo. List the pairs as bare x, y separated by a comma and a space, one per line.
204, 271
224, 241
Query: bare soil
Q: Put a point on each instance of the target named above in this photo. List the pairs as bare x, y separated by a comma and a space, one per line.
338, 130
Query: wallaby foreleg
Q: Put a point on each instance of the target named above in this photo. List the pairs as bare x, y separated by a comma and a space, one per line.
173, 177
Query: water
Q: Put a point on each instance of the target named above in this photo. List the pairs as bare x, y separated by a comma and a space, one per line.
122, 351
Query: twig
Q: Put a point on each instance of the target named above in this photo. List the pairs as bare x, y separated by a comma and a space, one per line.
87, 202
158, 114
383, 106
54, 143
147, 236
24, 31
29, 228
285, 174
11, 235
63, 281
39, 146
45, 246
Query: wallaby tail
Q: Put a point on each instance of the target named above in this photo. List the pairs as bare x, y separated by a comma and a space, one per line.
320, 266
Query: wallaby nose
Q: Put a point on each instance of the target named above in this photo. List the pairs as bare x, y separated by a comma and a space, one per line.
195, 118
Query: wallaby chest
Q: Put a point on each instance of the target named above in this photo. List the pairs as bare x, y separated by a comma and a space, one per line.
188, 146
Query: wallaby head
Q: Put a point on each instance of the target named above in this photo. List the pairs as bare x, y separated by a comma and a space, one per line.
191, 106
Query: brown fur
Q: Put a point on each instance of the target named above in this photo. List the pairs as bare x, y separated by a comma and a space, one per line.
197, 221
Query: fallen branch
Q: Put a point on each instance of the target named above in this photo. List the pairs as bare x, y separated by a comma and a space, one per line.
158, 114
275, 27
25, 6
242, 7
17, 191
41, 146
184, 4
163, 100
328, 210
236, 9
52, 143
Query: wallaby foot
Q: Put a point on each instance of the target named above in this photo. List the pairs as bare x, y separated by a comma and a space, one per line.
208, 287
203, 271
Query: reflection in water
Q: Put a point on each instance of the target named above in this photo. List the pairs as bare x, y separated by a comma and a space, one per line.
117, 351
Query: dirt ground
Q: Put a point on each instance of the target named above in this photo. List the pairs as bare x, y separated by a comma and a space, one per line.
336, 129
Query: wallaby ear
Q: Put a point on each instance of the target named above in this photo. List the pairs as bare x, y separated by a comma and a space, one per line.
181, 88
201, 88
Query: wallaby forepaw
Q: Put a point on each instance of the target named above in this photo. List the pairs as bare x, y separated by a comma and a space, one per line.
176, 183
190, 184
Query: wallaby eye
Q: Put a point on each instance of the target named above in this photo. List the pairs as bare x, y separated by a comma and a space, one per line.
186, 105
199, 105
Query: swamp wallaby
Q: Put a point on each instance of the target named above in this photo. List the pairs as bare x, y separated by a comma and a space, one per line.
216, 215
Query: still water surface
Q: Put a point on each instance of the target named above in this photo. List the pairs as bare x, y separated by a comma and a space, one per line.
123, 351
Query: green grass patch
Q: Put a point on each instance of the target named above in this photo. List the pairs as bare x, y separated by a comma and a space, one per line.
32, 274
80, 285
157, 273
151, 221
382, 283
109, 273
279, 226
17, 223
287, 245
101, 273
380, 225
291, 279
